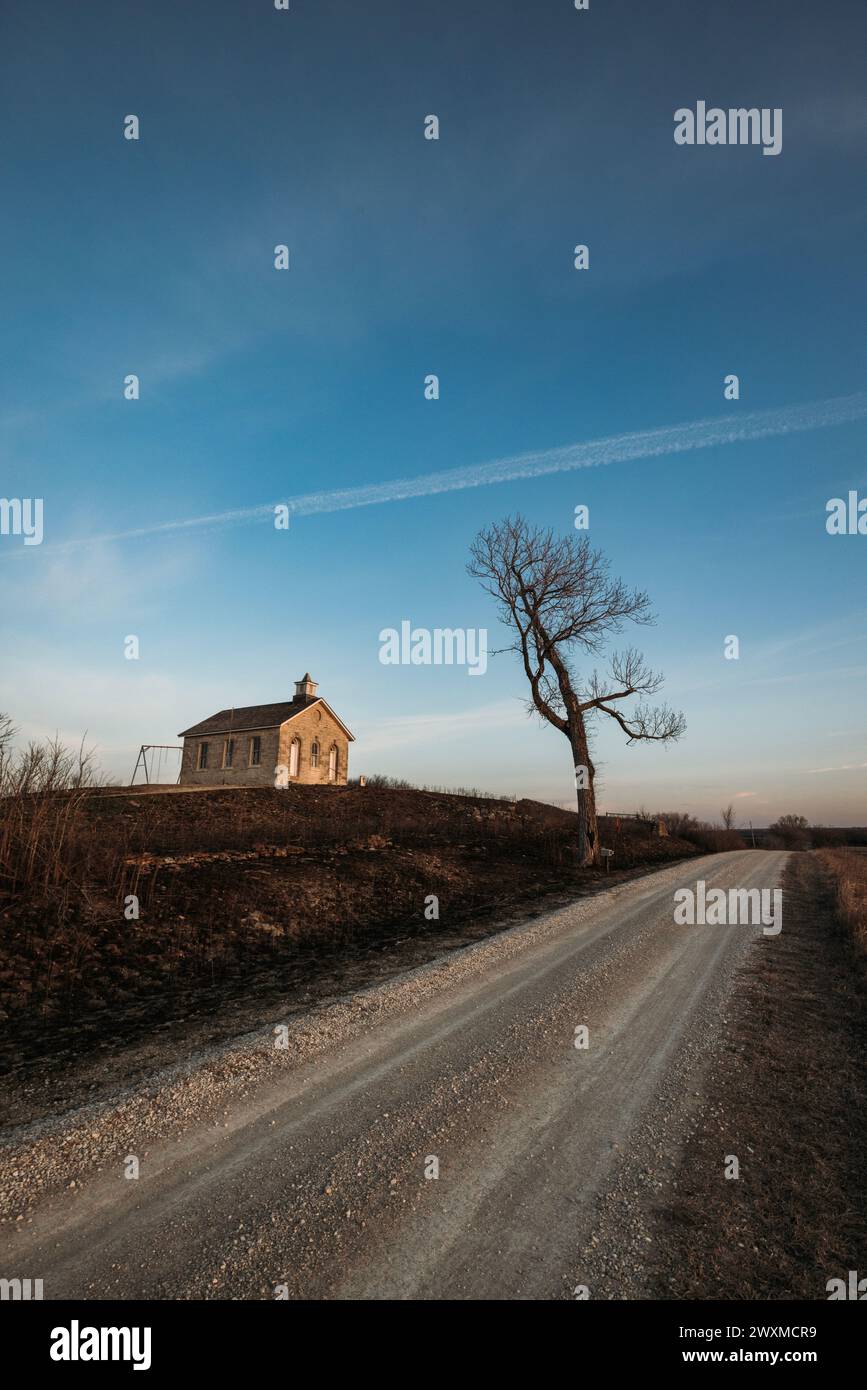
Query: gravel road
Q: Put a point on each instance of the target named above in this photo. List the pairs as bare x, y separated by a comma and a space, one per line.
314, 1174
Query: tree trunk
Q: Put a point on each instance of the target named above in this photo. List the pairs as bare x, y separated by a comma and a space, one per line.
588, 831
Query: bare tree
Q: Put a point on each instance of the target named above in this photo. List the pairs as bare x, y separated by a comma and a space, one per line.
728, 817
7, 735
46, 766
793, 831
678, 822
556, 595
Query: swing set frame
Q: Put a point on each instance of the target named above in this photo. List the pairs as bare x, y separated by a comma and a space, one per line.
141, 760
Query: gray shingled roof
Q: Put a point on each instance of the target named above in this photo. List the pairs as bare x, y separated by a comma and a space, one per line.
230, 721
248, 717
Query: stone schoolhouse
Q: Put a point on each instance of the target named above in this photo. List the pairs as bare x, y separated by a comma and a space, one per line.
245, 747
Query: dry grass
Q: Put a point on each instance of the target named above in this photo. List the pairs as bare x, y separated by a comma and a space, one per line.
848, 870
47, 849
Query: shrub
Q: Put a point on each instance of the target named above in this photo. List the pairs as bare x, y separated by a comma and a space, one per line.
45, 850
711, 839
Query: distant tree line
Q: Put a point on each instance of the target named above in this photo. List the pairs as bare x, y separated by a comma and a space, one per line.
787, 832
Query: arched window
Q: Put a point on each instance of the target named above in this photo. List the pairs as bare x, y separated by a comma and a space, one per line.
332, 763
314, 755
294, 757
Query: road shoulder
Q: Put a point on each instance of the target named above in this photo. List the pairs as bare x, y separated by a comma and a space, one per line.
785, 1093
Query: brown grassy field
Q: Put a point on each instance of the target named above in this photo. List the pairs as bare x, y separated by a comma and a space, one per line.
848, 870
236, 883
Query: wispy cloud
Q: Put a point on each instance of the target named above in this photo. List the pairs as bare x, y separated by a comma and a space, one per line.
420, 729
766, 658
842, 767
622, 448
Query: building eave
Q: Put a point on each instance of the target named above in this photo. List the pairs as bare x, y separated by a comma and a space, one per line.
195, 730
312, 705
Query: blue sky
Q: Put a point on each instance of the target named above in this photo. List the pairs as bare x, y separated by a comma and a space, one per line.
452, 257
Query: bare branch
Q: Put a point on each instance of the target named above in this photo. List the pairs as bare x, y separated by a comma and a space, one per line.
658, 723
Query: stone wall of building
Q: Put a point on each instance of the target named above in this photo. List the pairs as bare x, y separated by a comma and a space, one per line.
313, 726
242, 772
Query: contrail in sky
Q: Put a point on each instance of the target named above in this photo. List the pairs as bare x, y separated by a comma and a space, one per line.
620, 448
